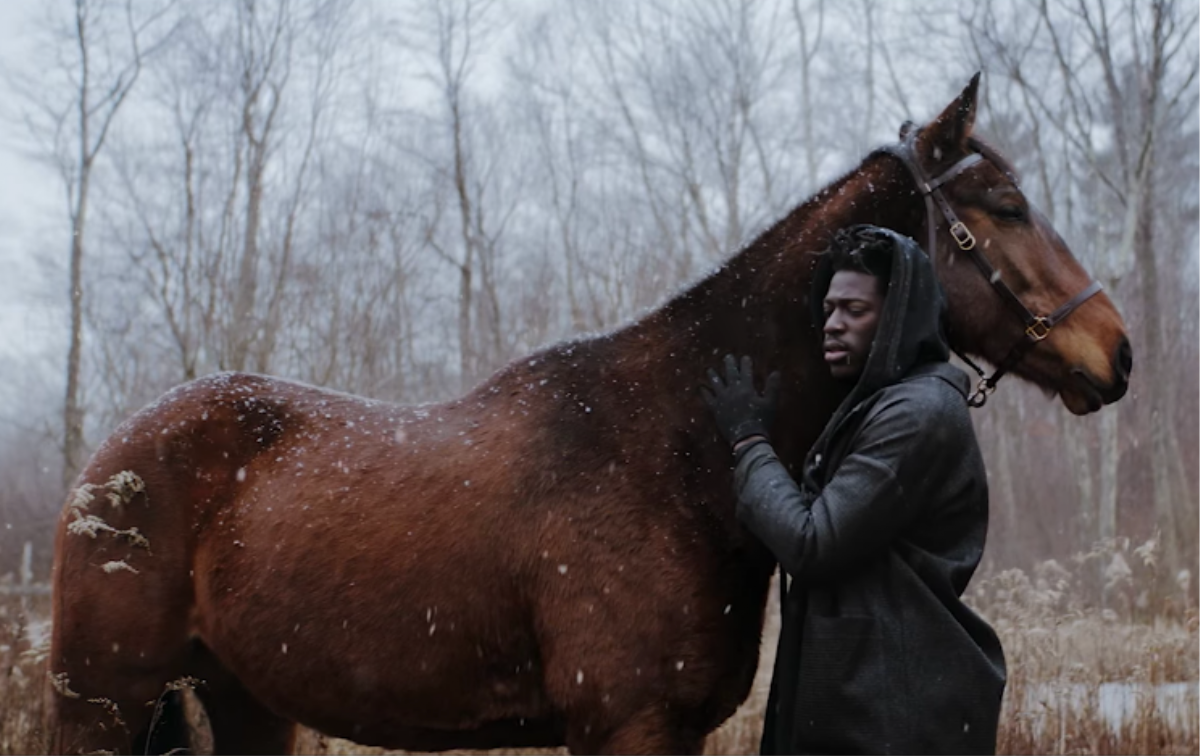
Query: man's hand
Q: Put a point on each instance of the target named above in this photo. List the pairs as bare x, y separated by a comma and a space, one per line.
738, 408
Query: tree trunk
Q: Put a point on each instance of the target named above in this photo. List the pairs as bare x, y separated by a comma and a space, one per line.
1076, 435
1110, 456
1160, 417
247, 285
72, 408
466, 362
807, 54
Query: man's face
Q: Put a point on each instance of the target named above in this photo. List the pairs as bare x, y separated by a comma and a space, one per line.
852, 306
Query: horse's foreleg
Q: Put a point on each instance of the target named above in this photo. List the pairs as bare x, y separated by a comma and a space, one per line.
240, 724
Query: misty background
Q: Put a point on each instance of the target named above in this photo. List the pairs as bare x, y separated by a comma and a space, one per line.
396, 198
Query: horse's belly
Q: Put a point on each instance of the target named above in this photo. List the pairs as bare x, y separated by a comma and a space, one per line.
506, 734
433, 644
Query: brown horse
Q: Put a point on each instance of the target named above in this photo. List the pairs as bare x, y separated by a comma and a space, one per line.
552, 558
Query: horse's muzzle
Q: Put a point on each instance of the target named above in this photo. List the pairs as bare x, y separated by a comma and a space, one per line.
1122, 367
1096, 392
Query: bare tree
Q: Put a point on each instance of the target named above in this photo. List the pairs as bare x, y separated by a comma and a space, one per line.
211, 216
101, 56
458, 33
590, 225
264, 52
810, 31
683, 98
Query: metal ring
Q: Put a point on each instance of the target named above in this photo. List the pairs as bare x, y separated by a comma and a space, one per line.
1038, 329
980, 397
962, 235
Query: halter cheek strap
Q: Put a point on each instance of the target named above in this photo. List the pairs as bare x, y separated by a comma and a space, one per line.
1037, 327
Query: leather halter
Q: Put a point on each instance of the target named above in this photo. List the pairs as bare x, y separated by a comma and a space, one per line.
1037, 327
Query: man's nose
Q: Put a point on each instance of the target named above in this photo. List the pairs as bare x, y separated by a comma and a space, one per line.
833, 324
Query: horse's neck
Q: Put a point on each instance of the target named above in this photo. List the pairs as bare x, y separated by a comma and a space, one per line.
878, 192
757, 303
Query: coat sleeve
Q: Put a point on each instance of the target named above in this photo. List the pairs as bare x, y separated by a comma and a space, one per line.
871, 497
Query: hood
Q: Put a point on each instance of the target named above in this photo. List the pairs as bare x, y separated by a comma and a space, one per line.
910, 329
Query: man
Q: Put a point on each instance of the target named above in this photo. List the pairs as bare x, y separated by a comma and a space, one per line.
877, 652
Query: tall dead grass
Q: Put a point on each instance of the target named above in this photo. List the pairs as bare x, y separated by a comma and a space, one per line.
1103, 658
1103, 653
23, 689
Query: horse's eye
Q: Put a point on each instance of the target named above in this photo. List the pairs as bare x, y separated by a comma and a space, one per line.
1010, 213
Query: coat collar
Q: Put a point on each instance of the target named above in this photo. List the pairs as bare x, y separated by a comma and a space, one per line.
945, 371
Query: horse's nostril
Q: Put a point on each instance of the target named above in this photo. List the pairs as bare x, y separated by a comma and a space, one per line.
1124, 362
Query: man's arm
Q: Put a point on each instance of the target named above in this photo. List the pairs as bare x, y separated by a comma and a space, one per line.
862, 508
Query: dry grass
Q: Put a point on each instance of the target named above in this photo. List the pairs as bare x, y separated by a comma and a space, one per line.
22, 676
1103, 657
1103, 653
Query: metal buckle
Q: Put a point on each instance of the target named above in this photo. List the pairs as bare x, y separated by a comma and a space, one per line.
1038, 329
962, 235
982, 392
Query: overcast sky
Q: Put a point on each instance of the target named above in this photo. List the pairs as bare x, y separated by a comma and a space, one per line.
31, 205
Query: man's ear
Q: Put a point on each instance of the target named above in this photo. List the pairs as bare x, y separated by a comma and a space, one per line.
948, 133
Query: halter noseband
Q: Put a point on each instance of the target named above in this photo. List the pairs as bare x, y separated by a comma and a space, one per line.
1037, 327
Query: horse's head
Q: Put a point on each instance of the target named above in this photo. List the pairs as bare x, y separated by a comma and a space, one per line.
1017, 296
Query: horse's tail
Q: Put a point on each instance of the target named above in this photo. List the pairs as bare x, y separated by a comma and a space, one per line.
123, 578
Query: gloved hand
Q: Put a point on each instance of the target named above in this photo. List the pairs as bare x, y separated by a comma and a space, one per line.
738, 408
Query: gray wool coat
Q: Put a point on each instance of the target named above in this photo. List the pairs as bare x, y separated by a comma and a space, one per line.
878, 653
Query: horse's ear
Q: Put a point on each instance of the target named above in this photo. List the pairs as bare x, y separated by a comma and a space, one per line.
954, 125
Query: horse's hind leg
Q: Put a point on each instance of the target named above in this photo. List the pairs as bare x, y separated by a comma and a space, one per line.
240, 724
103, 703
117, 645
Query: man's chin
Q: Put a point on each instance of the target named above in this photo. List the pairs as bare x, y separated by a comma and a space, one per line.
844, 372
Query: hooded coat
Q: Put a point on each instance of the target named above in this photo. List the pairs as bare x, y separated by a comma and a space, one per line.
877, 652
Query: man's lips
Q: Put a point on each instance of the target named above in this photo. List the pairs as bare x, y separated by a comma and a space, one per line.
835, 352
